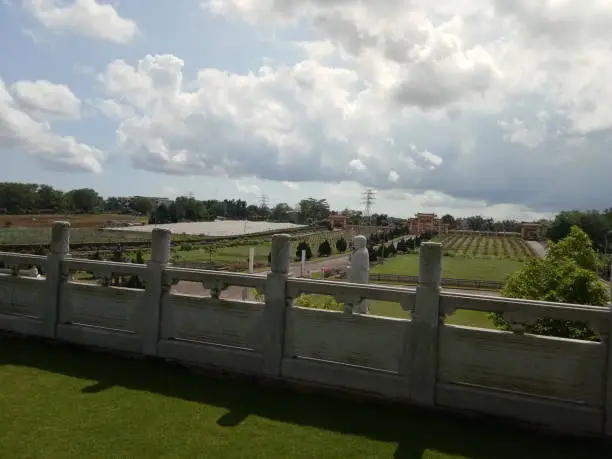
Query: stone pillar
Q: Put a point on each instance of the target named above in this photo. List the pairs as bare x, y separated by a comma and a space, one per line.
423, 347
246, 295
277, 303
359, 270
54, 271
156, 287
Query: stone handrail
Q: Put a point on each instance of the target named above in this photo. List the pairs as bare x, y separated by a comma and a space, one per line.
557, 382
445, 281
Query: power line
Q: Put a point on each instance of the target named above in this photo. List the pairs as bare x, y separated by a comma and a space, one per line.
368, 197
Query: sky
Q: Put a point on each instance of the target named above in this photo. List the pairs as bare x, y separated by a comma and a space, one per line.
492, 107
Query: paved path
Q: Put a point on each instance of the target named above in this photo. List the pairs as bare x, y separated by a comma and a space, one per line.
538, 248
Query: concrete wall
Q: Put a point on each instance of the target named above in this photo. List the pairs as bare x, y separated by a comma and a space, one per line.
560, 383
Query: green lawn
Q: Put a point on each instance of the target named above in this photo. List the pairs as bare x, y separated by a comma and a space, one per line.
228, 254
455, 267
389, 309
64, 402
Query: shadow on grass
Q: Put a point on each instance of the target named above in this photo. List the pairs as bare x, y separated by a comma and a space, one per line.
414, 430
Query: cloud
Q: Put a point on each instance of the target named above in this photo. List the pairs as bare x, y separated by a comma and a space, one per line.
291, 185
22, 131
357, 164
45, 99
248, 189
485, 101
84, 17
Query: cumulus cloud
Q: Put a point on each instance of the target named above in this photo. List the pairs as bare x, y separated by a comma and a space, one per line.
88, 18
21, 130
45, 99
508, 103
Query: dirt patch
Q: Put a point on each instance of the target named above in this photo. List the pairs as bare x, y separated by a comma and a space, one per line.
76, 220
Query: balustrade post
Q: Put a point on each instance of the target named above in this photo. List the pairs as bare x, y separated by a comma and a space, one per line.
277, 302
55, 278
422, 349
606, 339
150, 317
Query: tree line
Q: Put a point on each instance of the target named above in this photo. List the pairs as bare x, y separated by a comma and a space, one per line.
31, 198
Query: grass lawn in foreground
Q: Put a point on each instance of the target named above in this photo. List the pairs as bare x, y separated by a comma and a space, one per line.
60, 401
455, 267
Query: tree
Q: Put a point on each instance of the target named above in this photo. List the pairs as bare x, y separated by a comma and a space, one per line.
313, 210
567, 274
49, 198
341, 245
325, 249
303, 246
83, 200
448, 220
281, 213
142, 205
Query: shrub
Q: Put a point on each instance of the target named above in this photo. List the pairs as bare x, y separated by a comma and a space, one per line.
341, 245
303, 246
325, 249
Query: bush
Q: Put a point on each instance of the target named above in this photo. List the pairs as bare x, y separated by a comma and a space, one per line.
325, 249
341, 245
303, 246
373, 254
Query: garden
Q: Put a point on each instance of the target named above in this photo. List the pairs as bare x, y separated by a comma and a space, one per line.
486, 246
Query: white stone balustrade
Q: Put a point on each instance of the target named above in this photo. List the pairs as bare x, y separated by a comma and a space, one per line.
559, 383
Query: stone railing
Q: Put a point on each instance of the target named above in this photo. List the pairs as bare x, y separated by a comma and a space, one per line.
560, 383
444, 282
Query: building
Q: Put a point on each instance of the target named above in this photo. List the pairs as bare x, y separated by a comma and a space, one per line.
426, 223
338, 221
531, 231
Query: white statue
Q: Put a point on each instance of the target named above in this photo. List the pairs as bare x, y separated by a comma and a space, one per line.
359, 270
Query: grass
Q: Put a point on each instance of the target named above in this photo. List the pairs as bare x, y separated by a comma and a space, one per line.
453, 267
463, 317
59, 401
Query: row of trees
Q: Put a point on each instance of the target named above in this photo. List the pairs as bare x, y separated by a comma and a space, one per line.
596, 224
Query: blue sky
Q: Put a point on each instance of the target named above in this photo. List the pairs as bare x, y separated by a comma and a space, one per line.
474, 107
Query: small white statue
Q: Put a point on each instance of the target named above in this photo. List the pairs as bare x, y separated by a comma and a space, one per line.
359, 269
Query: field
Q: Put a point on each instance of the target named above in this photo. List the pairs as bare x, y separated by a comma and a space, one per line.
454, 267
76, 220
481, 246
64, 402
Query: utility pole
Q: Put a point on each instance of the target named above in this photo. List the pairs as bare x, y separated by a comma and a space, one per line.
367, 199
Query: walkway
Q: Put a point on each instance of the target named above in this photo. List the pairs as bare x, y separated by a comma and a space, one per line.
538, 248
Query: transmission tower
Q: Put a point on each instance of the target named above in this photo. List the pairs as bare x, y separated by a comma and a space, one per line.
264, 205
367, 199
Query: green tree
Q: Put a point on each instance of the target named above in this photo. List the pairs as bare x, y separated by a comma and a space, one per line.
49, 198
325, 249
567, 274
448, 219
341, 245
83, 200
303, 246
281, 213
142, 205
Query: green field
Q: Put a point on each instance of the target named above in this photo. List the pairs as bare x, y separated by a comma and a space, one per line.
454, 267
63, 402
